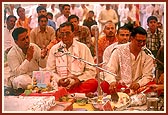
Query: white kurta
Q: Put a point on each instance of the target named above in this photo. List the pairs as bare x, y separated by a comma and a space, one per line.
141, 68
61, 20
8, 39
20, 68
56, 62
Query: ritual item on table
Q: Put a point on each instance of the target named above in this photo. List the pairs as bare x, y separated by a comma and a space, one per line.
138, 99
64, 98
123, 101
81, 101
41, 78
80, 98
42, 81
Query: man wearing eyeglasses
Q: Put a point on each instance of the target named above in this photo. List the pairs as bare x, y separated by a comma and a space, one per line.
131, 65
68, 71
24, 58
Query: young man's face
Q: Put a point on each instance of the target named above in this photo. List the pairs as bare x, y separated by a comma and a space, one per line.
123, 36
42, 12
43, 23
21, 12
66, 10
75, 22
152, 24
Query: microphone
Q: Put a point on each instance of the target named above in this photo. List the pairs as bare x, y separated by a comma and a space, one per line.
147, 51
61, 49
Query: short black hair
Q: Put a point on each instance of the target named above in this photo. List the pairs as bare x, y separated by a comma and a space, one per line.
63, 6
40, 8
73, 16
42, 16
67, 24
123, 28
138, 30
50, 14
91, 11
11, 16
152, 18
18, 31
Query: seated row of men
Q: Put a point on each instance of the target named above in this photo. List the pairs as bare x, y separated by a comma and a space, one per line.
128, 62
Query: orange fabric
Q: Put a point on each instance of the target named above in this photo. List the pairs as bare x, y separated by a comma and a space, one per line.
86, 87
51, 44
20, 23
102, 44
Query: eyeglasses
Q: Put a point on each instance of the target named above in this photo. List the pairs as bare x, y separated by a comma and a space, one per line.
65, 34
141, 41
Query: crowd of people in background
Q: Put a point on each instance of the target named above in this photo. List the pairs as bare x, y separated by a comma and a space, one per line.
123, 30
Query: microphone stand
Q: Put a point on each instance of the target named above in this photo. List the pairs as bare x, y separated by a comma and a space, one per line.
94, 65
156, 68
97, 62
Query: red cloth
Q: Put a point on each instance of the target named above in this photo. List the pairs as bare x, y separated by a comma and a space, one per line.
85, 87
105, 87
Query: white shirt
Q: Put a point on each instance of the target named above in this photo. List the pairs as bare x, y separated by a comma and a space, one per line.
8, 39
141, 68
61, 20
84, 53
107, 52
77, 12
20, 65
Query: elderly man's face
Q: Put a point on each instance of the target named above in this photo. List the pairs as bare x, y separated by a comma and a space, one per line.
66, 35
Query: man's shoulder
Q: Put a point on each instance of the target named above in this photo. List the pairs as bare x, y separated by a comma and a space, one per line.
50, 28
50, 21
80, 44
60, 17
122, 46
36, 29
112, 46
102, 37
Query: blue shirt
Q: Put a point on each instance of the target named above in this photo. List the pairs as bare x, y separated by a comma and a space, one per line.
52, 24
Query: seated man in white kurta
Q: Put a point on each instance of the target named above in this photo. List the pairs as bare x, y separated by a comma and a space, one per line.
132, 66
23, 59
70, 72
